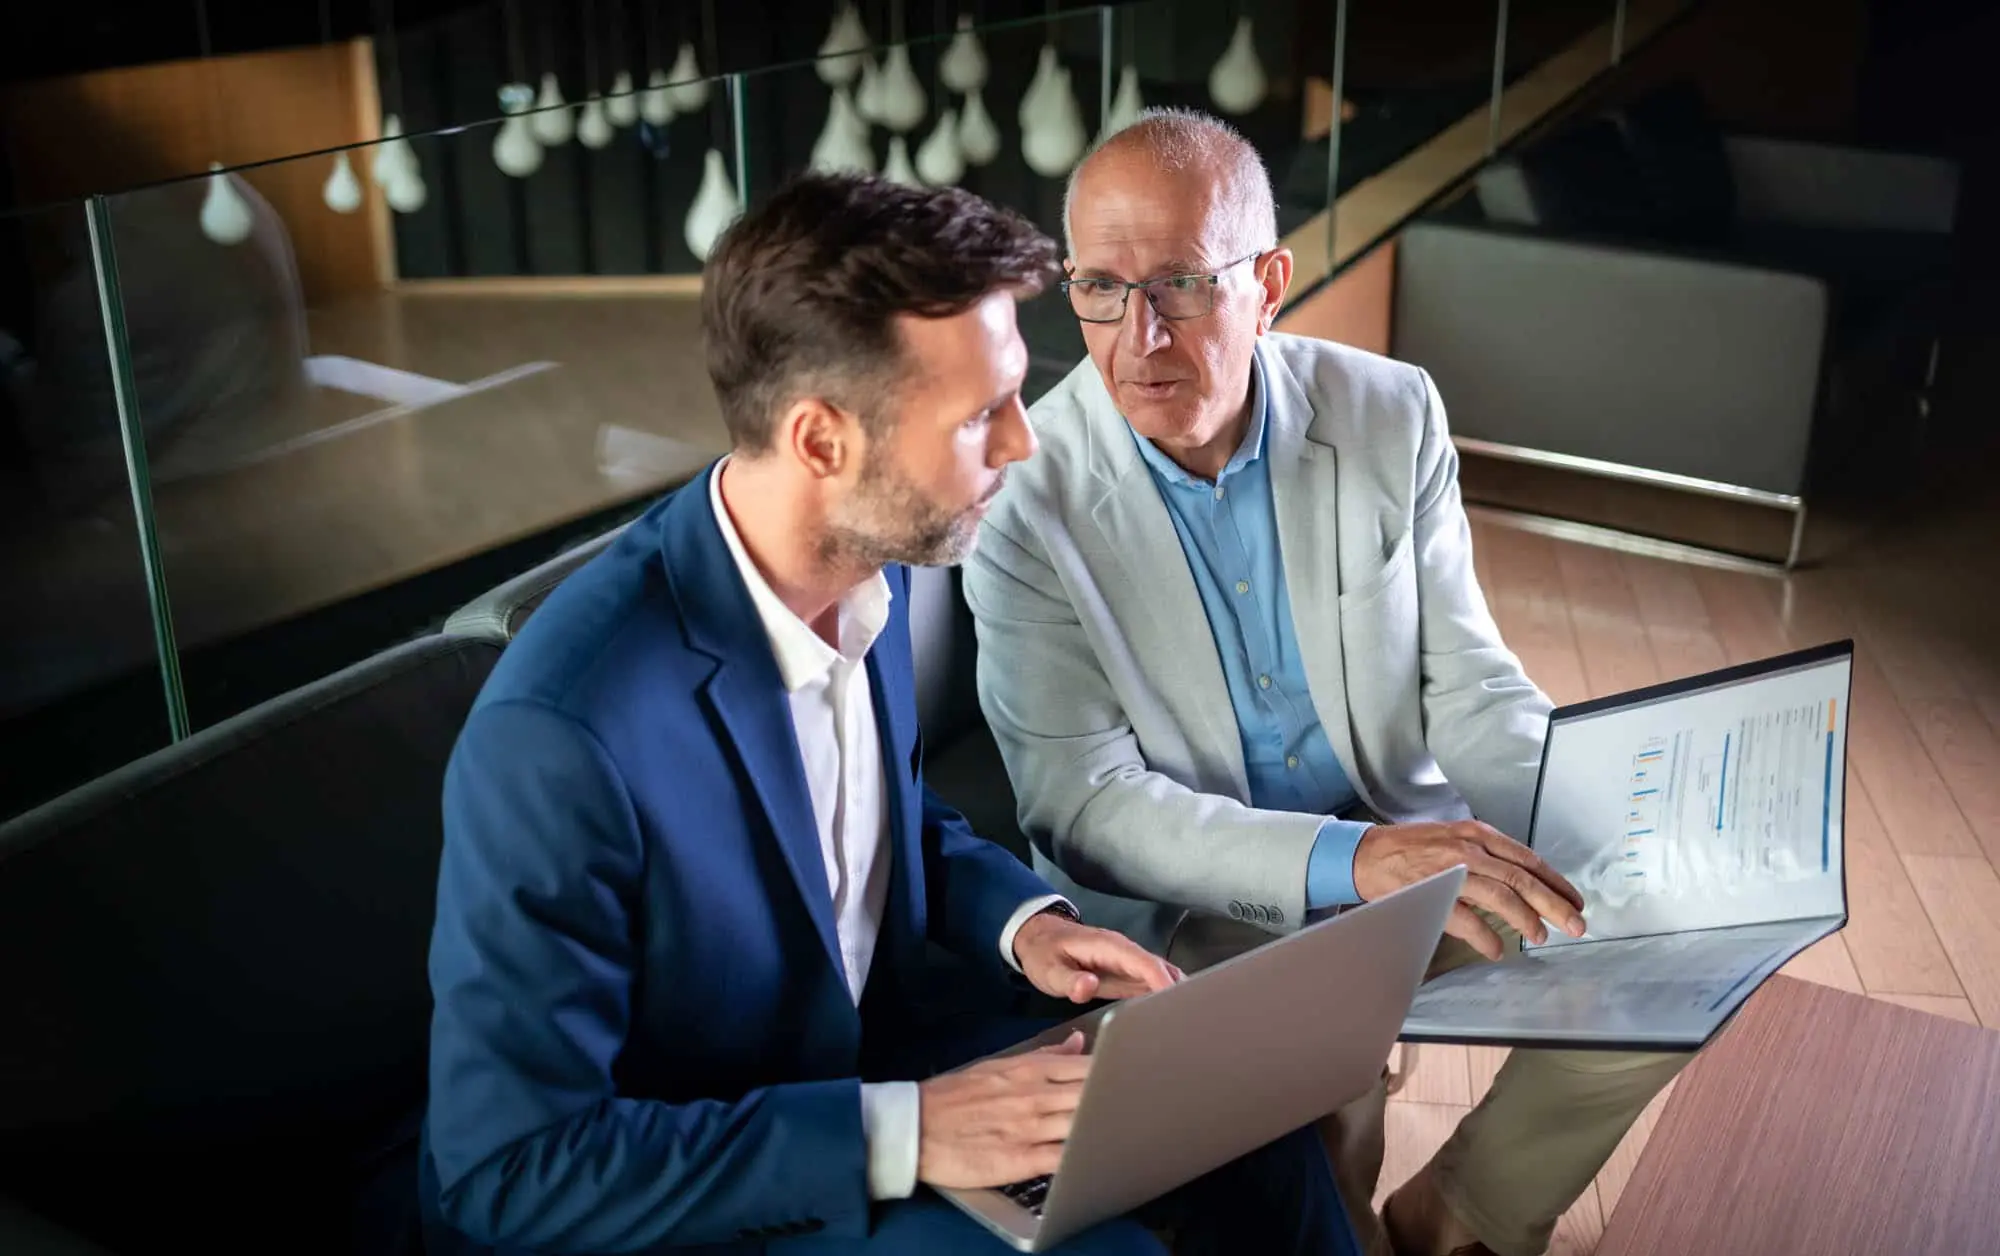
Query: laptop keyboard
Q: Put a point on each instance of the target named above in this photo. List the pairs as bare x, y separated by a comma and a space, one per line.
1031, 1194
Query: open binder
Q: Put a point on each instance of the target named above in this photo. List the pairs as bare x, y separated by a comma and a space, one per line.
1702, 821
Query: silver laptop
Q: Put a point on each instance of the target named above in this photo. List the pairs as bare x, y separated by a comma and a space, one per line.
1185, 1080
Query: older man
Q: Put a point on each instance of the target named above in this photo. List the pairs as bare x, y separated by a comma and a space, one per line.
1240, 668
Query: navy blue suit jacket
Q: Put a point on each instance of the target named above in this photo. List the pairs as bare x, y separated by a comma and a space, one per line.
642, 1033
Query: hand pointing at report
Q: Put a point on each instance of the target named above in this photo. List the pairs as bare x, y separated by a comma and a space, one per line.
1502, 877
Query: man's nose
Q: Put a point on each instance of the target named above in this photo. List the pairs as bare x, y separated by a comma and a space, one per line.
1016, 441
1142, 331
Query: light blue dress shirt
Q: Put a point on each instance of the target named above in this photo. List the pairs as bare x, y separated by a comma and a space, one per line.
1228, 528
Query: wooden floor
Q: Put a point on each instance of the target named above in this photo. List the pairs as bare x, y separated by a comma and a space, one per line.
1919, 598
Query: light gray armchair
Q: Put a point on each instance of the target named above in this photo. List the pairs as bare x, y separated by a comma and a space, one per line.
1635, 297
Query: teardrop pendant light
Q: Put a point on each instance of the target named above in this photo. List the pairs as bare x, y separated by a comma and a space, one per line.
515, 149
978, 134
840, 53
962, 68
689, 90
552, 122
656, 103
1046, 66
622, 106
1237, 82
593, 129
843, 142
897, 169
406, 192
1053, 137
902, 102
715, 207
225, 215
342, 191
1127, 104
868, 94
940, 162
392, 155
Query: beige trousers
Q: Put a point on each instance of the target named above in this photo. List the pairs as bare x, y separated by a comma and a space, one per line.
1519, 1160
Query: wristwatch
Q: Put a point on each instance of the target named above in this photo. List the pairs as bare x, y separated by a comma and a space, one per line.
1061, 908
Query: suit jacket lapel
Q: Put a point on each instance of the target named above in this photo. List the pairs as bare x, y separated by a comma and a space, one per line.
747, 694
890, 676
1304, 491
1163, 619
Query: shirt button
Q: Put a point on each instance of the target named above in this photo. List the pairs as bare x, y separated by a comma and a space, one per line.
1263, 682
1291, 761
1219, 491
1242, 586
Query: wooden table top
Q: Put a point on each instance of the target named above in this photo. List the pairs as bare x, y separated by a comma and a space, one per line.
1824, 1123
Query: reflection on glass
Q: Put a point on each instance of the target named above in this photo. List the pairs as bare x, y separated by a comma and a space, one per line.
1256, 66
340, 456
1553, 49
1418, 72
80, 685
1004, 111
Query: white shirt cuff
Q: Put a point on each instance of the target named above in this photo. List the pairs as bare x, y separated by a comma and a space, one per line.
889, 1116
1033, 907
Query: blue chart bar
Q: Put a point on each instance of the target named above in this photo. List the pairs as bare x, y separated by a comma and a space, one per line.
1722, 786
1826, 811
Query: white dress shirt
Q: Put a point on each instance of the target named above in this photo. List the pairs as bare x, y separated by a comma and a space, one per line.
833, 715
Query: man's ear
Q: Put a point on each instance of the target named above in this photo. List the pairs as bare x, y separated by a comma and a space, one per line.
1275, 274
822, 437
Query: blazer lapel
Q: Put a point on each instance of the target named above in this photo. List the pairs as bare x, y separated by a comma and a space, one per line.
890, 677
1304, 491
746, 693
1163, 621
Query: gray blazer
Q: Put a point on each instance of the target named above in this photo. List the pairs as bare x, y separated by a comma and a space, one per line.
1100, 678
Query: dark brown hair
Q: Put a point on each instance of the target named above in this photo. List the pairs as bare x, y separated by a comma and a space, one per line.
800, 296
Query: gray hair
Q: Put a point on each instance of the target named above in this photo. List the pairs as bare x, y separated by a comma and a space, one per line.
1176, 139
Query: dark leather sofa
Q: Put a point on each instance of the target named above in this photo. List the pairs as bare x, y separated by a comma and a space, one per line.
213, 961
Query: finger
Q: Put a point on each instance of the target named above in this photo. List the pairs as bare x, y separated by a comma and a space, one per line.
1052, 1127
1466, 925
1047, 1067
1072, 1045
1489, 889
1051, 1099
1541, 898
1503, 847
1039, 1160
1121, 962
1178, 974
1083, 987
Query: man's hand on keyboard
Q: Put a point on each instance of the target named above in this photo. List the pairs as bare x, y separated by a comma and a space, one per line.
1000, 1121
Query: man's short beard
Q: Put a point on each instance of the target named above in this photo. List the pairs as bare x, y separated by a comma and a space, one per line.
892, 522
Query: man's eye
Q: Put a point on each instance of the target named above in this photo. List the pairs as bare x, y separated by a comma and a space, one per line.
1184, 283
1100, 287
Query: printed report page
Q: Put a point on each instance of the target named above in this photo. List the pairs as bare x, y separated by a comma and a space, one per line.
1702, 810
1668, 993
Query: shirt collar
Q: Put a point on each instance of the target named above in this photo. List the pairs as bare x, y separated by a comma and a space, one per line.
1246, 453
803, 656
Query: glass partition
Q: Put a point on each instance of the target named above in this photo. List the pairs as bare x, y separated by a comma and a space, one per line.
1264, 66
1418, 76
1553, 49
80, 684
338, 456
1004, 111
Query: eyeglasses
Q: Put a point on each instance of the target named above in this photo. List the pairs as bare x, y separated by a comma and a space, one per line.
1173, 297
